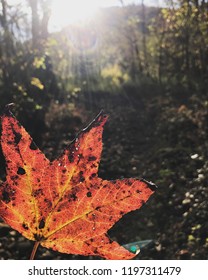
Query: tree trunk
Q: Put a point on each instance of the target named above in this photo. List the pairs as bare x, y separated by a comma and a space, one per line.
144, 44
6, 47
46, 8
35, 22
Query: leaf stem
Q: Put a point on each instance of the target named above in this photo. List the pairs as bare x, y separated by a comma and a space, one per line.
35, 247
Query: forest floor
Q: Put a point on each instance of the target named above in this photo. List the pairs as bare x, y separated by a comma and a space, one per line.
164, 141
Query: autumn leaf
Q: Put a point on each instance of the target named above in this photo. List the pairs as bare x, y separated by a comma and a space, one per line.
63, 204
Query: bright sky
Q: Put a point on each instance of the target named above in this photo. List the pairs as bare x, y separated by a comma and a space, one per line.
65, 12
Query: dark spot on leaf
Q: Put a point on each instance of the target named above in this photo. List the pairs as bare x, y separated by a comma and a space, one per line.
48, 202
33, 146
15, 177
55, 194
92, 158
17, 137
89, 194
81, 177
37, 192
41, 224
25, 226
97, 208
71, 157
21, 171
6, 196
93, 175
73, 197
80, 156
95, 251
138, 191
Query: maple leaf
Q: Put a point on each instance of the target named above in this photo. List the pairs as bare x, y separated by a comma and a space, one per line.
63, 204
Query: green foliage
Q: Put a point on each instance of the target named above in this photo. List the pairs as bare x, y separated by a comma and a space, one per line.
114, 76
129, 48
183, 43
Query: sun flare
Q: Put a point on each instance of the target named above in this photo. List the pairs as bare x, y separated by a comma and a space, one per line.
66, 12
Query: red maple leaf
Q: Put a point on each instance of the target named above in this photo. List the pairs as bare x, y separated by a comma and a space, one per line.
63, 204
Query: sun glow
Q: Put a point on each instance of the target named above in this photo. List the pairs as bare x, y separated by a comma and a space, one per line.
66, 12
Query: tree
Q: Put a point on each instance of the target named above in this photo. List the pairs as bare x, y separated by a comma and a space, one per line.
183, 42
41, 12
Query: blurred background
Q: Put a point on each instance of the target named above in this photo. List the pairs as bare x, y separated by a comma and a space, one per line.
145, 63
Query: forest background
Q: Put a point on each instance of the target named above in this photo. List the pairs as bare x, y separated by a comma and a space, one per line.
147, 68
